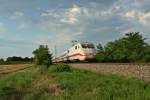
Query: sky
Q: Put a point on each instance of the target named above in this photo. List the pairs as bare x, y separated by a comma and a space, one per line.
26, 24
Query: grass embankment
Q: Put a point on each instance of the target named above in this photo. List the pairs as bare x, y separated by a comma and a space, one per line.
66, 84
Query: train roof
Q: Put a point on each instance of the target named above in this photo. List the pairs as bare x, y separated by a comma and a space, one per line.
83, 43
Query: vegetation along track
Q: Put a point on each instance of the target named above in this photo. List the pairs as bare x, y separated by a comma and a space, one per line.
141, 71
5, 69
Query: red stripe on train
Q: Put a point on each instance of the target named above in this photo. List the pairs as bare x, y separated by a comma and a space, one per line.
79, 54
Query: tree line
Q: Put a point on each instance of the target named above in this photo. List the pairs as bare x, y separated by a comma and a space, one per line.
130, 48
15, 59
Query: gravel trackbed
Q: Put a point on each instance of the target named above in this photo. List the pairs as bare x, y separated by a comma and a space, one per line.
141, 71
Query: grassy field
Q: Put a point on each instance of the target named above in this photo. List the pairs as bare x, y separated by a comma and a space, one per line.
5, 69
73, 84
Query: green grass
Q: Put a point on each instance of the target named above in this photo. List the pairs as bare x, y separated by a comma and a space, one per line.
83, 85
73, 85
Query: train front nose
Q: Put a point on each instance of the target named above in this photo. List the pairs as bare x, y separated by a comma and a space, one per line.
90, 53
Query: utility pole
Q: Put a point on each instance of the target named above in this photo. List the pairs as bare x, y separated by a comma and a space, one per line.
55, 50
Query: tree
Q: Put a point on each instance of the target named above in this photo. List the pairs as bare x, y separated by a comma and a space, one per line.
116, 51
146, 54
18, 59
14, 58
42, 56
130, 48
100, 56
135, 45
2, 61
99, 48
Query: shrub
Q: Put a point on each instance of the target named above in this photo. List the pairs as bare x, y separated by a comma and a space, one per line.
60, 68
130, 48
42, 56
92, 60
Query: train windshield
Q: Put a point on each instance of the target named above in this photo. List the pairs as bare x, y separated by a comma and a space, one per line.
87, 46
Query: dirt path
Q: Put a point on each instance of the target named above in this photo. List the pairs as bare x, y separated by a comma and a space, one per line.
136, 70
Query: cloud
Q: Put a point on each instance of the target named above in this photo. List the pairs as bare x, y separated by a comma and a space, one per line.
140, 16
130, 14
16, 15
89, 21
2, 29
73, 13
49, 13
66, 15
22, 25
49, 22
144, 18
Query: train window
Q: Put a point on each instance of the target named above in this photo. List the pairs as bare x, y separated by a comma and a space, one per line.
75, 47
90, 46
84, 45
87, 46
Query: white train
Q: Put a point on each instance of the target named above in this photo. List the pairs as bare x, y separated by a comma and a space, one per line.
78, 52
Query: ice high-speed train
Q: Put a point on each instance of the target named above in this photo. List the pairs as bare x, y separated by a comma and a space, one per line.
78, 52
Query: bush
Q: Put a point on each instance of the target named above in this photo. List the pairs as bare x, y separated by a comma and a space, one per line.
60, 68
92, 60
130, 48
42, 56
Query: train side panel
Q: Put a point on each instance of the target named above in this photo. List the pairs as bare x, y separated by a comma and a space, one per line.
80, 51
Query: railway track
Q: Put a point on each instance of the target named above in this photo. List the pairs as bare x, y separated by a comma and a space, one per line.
5, 69
109, 63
